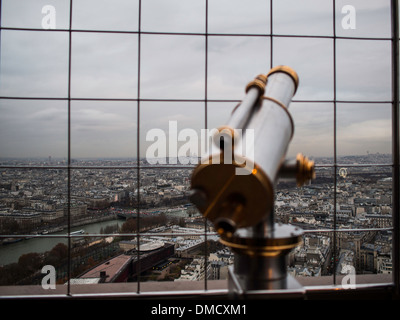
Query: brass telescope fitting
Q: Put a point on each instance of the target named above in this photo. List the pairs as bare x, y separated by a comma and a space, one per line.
288, 71
301, 169
259, 82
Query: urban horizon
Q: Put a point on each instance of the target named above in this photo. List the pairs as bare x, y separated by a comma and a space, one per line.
367, 153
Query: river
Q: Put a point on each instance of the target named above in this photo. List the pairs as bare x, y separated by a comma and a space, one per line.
10, 253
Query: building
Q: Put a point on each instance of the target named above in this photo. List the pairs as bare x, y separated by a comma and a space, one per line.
125, 267
380, 220
195, 271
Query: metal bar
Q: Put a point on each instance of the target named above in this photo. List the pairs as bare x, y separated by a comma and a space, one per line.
32, 98
334, 144
174, 234
348, 230
186, 100
187, 294
176, 167
343, 101
69, 150
138, 144
364, 165
106, 235
395, 145
194, 33
1, 7
206, 126
271, 27
94, 167
329, 37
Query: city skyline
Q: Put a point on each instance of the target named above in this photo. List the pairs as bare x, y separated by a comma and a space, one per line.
37, 198
174, 161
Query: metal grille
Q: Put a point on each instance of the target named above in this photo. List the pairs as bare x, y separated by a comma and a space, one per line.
272, 41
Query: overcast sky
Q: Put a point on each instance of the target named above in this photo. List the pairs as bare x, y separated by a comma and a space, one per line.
105, 65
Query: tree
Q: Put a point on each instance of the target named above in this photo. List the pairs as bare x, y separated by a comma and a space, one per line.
10, 274
129, 226
60, 250
57, 255
90, 263
30, 262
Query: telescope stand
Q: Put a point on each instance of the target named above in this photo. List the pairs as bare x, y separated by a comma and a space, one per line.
261, 260
236, 291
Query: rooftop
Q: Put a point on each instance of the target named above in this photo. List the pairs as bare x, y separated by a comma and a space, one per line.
110, 268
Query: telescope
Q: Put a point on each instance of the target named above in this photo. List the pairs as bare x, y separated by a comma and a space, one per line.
234, 185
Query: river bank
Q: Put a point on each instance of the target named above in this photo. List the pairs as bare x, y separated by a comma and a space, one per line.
94, 224
57, 229
10, 253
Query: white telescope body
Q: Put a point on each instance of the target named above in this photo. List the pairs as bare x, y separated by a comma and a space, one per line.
240, 193
272, 125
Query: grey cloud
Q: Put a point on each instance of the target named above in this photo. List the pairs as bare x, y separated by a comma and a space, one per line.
35, 64
236, 16
33, 129
104, 66
28, 14
172, 67
105, 15
173, 16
